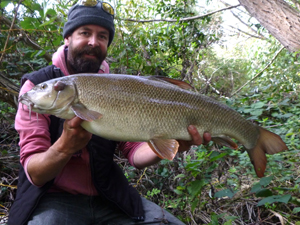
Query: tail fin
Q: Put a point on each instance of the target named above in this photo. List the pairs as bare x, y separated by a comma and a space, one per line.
269, 143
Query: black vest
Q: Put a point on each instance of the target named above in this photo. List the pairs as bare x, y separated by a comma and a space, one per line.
107, 176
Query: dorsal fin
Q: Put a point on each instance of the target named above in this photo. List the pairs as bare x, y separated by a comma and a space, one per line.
178, 83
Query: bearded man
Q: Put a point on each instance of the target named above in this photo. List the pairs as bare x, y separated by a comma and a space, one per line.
67, 175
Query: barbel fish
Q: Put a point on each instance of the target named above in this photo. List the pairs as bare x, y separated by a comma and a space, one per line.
154, 110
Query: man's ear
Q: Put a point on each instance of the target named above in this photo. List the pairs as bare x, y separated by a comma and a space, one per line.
67, 40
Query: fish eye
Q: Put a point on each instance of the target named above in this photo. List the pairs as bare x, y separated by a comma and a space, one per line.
43, 86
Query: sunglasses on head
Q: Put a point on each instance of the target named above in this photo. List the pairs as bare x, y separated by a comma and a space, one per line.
104, 5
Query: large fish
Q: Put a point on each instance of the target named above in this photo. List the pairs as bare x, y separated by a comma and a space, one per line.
158, 111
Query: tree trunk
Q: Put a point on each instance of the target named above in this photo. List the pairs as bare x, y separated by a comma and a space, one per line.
279, 18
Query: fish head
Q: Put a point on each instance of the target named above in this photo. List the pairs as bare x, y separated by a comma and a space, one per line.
51, 97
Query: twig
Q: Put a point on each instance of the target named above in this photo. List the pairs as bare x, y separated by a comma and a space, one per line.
11, 26
259, 73
9, 186
183, 19
137, 183
251, 35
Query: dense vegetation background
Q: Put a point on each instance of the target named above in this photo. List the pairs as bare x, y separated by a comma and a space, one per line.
224, 53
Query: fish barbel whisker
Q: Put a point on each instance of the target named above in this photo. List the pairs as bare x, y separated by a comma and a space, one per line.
29, 108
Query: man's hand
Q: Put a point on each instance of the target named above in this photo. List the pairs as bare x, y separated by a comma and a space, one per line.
196, 139
74, 137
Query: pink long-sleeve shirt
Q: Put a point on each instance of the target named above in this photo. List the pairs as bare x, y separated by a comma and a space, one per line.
33, 130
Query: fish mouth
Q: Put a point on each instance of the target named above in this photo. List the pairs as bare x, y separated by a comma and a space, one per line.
25, 101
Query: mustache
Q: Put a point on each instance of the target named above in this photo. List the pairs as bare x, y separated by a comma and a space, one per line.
91, 51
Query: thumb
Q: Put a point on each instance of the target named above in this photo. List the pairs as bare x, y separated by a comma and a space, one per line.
74, 122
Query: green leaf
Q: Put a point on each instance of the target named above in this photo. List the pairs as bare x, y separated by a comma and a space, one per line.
49, 21
296, 210
195, 187
179, 176
36, 6
224, 193
27, 23
177, 192
194, 204
4, 4
218, 156
265, 181
256, 112
275, 198
51, 12
285, 102
257, 105
264, 193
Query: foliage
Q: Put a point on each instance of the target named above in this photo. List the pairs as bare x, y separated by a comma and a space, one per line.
209, 184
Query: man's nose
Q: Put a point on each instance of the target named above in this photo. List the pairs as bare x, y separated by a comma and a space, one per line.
93, 41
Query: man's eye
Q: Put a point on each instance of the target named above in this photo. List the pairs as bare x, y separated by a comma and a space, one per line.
104, 37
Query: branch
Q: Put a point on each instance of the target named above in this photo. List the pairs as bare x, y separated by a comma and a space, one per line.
251, 35
260, 73
11, 26
183, 19
253, 30
8, 91
25, 38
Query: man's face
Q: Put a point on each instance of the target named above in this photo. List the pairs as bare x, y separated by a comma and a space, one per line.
87, 48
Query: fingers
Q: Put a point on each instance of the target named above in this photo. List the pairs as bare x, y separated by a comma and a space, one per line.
196, 137
206, 138
74, 136
74, 122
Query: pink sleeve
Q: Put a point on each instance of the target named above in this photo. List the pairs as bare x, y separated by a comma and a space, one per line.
128, 149
104, 68
34, 133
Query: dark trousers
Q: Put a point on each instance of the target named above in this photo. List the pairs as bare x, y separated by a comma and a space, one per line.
67, 209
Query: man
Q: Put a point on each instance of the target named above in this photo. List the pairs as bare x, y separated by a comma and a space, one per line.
67, 175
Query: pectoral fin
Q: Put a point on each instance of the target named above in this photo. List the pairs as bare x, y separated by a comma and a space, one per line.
224, 141
85, 114
164, 148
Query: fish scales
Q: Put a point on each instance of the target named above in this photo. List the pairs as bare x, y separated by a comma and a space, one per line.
135, 106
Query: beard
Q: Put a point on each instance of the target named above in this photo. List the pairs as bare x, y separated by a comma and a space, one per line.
81, 64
